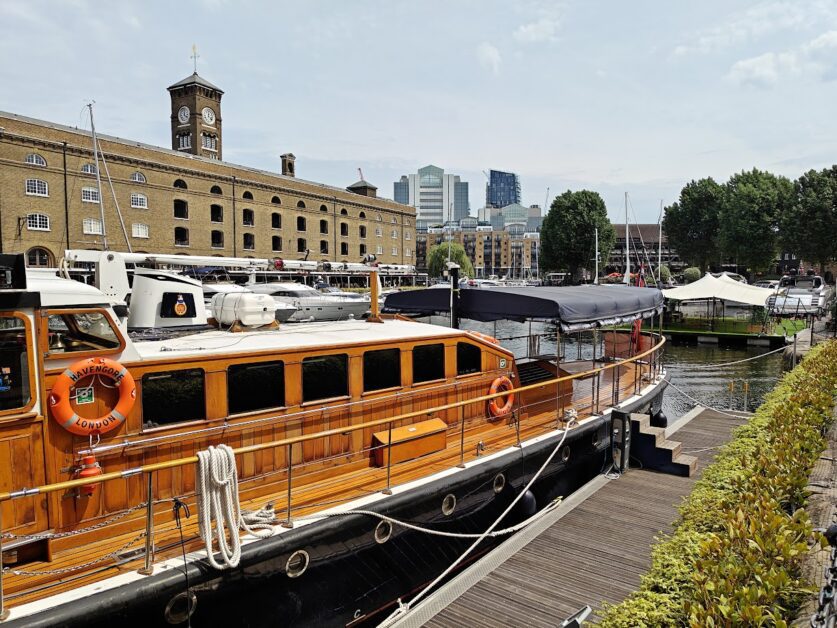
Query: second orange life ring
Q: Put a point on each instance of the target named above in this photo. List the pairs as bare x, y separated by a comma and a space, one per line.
501, 384
61, 394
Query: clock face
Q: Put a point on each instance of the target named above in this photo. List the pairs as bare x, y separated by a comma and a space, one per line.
183, 115
208, 115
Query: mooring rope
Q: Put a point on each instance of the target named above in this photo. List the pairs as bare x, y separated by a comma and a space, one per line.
720, 364
701, 403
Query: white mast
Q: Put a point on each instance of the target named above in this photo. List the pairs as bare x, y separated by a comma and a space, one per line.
627, 245
596, 277
98, 178
660, 247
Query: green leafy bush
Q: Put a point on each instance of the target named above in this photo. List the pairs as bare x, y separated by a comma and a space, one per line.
691, 274
734, 557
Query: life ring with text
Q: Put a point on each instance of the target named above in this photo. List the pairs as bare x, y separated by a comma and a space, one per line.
278, 263
485, 337
62, 393
501, 384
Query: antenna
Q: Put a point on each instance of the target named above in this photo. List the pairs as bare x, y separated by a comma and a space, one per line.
194, 57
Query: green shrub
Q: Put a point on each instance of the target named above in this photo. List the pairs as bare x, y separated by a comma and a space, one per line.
665, 273
691, 274
734, 557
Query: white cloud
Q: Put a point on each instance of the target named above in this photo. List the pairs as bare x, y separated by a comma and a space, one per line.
763, 70
814, 59
489, 57
544, 29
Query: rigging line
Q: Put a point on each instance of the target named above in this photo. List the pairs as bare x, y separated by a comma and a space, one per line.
115, 202
639, 231
755, 357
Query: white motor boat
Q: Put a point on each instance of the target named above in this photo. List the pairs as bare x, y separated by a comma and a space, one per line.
802, 294
310, 304
284, 311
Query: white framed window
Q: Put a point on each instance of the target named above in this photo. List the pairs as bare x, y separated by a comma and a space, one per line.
92, 226
37, 187
90, 195
394, 221
209, 142
395, 250
378, 217
378, 232
36, 160
37, 222
379, 250
89, 168
407, 235
408, 253
138, 177
139, 201
184, 140
139, 230
394, 234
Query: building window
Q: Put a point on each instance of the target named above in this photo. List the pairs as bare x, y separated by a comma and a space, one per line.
378, 232
324, 377
247, 195
428, 363
92, 226
252, 387
184, 141
37, 222
301, 245
468, 358
38, 257
209, 141
407, 235
394, 234
181, 209
362, 215
139, 230
215, 189
362, 249
276, 200
249, 242
395, 250
216, 213
362, 231
324, 247
36, 160
344, 229
90, 195
408, 253
173, 397
37, 187
378, 217
217, 239
300, 223
379, 250
300, 204
276, 243
276, 220
381, 369
344, 248
180, 184
89, 169
324, 226
138, 177
343, 212
181, 236
323, 208
139, 201
248, 218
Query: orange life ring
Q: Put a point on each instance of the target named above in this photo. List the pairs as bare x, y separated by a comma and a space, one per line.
278, 263
61, 393
500, 384
485, 337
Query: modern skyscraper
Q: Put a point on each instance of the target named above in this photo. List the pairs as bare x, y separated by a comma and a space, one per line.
502, 189
437, 197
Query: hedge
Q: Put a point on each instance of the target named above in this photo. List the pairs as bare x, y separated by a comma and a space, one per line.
735, 554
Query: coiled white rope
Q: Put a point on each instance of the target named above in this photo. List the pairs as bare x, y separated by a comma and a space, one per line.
217, 492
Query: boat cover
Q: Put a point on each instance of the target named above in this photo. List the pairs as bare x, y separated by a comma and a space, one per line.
572, 307
723, 288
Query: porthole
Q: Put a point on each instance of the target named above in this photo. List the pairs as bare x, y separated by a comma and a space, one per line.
383, 531
448, 504
565, 454
499, 482
297, 564
181, 607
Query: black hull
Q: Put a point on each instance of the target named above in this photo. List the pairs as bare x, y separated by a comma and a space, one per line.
351, 578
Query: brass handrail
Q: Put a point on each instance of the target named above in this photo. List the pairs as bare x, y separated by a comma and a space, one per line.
179, 462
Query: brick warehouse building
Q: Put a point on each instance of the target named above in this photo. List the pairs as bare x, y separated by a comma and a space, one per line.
181, 200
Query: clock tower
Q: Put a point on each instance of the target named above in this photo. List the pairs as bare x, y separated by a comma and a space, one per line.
196, 117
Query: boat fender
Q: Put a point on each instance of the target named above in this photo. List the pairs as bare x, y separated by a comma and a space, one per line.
61, 395
659, 419
500, 384
89, 469
528, 505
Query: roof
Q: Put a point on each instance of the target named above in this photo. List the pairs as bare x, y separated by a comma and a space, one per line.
647, 232
195, 79
573, 307
723, 288
57, 291
363, 183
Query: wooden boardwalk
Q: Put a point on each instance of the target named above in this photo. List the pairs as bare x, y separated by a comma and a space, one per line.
596, 552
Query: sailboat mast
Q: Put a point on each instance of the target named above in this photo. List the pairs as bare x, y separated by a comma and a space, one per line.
596, 278
627, 245
660, 246
98, 178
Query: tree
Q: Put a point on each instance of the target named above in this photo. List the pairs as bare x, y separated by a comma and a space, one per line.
691, 224
437, 259
808, 225
692, 274
665, 274
753, 202
568, 240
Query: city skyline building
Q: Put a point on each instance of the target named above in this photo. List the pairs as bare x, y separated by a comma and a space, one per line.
437, 197
502, 189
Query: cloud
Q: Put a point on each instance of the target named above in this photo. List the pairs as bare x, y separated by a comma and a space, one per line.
489, 57
813, 59
544, 29
763, 70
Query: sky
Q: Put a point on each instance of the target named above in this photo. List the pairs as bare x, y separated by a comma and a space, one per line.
618, 97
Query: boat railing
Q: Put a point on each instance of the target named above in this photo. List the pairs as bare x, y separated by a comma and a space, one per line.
647, 364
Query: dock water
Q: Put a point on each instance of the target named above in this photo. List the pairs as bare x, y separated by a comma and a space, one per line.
592, 549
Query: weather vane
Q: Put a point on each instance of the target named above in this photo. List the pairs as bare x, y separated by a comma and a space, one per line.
194, 57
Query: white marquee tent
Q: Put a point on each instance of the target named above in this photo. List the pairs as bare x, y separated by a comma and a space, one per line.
723, 289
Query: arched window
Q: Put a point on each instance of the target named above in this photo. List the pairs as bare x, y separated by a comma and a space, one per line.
89, 169
248, 218
249, 242
180, 183
36, 160
181, 209
37, 222
216, 213
138, 177
300, 223
301, 204
323, 208
407, 222
378, 232
139, 201
362, 215
344, 248
394, 234
181, 236
215, 190
276, 200
301, 245
37, 187
247, 195
378, 217
276, 243
324, 226
344, 228
362, 249
394, 221
324, 247
217, 239
38, 257
362, 231
343, 212
276, 220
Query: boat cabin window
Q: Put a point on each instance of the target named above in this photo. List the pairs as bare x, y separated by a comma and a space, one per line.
14, 363
257, 386
428, 363
73, 332
173, 397
325, 376
381, 369
468, 358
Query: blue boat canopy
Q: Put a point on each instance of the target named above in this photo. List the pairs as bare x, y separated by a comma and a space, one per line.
572, 307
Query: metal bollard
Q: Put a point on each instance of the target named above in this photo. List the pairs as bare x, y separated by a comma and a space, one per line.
746, 394
731, 388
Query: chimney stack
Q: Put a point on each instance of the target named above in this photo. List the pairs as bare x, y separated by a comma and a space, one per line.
288, 168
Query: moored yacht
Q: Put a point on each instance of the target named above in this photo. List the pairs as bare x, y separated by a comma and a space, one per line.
311, 304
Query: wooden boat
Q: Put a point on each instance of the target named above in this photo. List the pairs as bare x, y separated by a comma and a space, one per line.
367, 438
